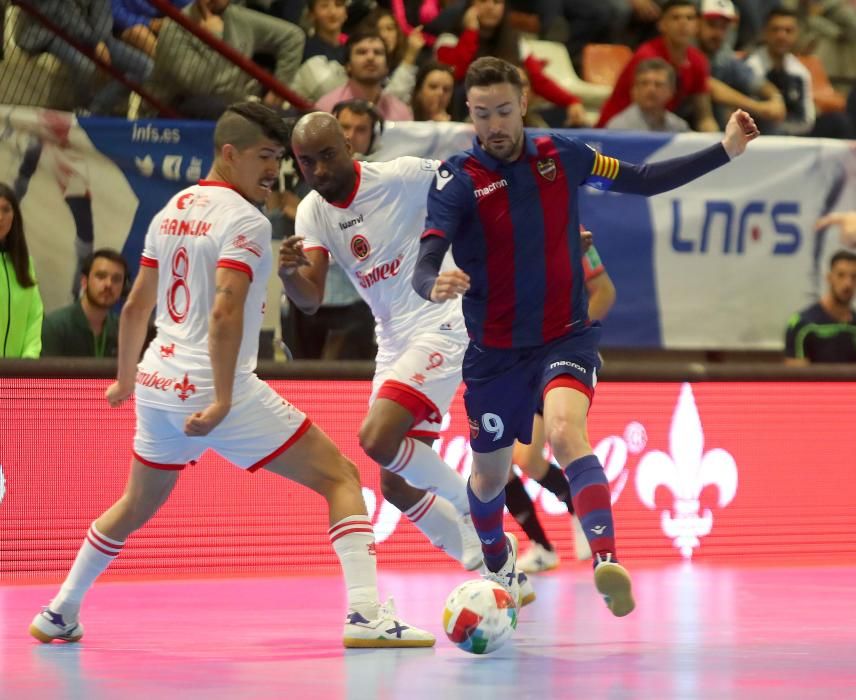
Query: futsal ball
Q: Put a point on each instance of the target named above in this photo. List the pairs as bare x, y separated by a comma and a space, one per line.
479, 616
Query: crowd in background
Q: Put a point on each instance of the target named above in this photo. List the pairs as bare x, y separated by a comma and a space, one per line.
687, 66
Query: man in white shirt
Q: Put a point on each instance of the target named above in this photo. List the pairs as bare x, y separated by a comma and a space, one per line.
206, 262
367, 218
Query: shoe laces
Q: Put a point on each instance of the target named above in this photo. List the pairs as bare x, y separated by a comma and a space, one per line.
387, 609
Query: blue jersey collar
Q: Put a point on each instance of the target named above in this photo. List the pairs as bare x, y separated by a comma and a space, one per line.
529, 149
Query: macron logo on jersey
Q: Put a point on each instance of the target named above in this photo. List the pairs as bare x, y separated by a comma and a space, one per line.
491, 188
443, 178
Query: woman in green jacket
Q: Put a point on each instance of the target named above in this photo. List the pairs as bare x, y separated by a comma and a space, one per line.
21, 308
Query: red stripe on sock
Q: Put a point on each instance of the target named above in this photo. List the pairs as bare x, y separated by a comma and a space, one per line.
101, 549
352, 531
593, 497
104, 541
423, 509
406, 455
350, 523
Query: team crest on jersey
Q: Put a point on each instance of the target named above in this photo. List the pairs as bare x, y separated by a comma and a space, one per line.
547, 169
360, 247
241, 241
474, 428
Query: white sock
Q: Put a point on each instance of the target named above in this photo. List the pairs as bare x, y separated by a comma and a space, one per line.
95, 555
425, 469
353, 540
437, 519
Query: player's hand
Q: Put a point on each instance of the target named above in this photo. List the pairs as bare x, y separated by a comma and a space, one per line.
846, 221
575, 115
450, 285
116, 394
740, 130
203, 422
291, 255
586, 239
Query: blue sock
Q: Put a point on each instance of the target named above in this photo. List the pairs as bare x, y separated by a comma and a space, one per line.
487, 519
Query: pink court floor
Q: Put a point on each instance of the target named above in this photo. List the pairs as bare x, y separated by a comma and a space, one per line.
699, 631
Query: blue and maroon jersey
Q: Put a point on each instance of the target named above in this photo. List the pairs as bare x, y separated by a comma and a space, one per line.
514, 229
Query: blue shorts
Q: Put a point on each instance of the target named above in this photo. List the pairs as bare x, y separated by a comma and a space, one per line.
505, 387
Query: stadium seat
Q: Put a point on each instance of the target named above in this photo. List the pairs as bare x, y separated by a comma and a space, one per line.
826, 97
603, 63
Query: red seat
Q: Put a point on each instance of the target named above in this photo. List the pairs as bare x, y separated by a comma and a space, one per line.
603, 63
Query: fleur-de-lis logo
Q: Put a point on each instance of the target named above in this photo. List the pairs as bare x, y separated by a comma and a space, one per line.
685, 473
185, 389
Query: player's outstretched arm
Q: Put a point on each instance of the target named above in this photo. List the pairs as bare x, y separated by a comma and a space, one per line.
133, 324
303, 273
662, 176
225, 333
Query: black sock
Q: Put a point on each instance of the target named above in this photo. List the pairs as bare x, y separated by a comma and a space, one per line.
523, 510
557, 483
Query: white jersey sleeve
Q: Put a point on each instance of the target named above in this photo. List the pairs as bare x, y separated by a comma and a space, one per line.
308, 223
246, 249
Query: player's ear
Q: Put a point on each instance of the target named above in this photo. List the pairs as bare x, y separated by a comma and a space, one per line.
228, 152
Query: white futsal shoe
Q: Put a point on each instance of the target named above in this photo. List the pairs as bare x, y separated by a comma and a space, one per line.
472, 557
507, 574
49, 625
384, 632
613, 583
581, 543
537, 559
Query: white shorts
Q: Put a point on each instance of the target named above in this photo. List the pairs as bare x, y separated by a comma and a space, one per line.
260, 427
423, 378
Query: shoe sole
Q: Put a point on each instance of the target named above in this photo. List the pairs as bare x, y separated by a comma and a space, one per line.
527, 600
47, 639
540, 570
355, 643
612, 581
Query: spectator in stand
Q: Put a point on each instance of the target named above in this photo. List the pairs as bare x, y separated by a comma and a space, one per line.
733, 84
678, 27
90, 22
403, 52
433, 92
21, 308
488, 32
138, 22
826, 331
198, 81
653, 88
362, 125
88, 327
367, 70
327, 18
776, 62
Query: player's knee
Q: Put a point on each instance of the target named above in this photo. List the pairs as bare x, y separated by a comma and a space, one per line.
377, 445
567, 439
347, 474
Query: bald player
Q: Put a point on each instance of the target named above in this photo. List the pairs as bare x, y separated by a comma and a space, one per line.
367, 217
205, 266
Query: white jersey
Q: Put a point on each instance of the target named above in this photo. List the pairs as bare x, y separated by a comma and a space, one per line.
374, 237
203, 227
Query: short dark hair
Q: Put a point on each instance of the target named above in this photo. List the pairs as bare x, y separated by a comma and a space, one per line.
490, 70
310, 5
361, 34
669, 4
846, 255
107, 253
781, 12
244, 124
656, 64
362, 108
